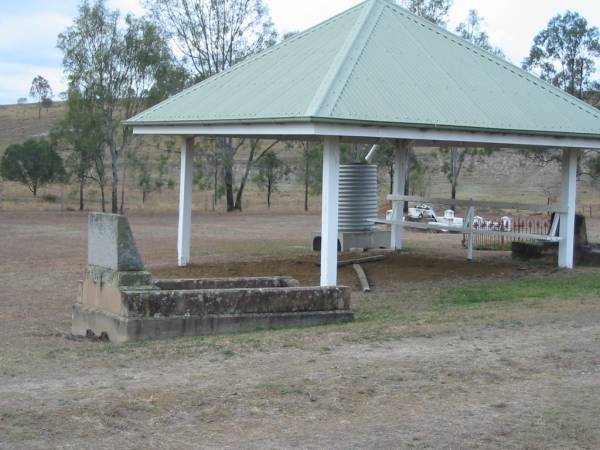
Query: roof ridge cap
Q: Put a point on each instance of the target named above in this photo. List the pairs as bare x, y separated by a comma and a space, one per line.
507, 65
341, 60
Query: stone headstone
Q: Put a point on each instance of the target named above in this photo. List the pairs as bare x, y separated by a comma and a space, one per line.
111, 244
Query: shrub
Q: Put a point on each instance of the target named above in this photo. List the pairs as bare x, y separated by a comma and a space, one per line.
33, 163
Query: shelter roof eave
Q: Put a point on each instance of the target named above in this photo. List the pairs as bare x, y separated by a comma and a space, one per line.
312, 128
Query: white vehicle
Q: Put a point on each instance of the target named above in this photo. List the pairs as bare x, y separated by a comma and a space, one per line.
421, 212
416, 214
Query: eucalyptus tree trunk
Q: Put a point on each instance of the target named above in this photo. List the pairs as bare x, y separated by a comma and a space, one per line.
122, 207
81, 184
103, 196
269, 191
228, 180
306, 197
228, 151
216, 187
114, 158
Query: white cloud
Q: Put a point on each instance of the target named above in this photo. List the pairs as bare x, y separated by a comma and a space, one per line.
15, 80
294, 15
29, 37
27, 49
128, 6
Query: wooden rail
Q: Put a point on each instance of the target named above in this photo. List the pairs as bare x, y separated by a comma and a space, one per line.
468, 227
479, 204
467, 230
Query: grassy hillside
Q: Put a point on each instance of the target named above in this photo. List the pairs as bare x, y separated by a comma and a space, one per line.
20, 122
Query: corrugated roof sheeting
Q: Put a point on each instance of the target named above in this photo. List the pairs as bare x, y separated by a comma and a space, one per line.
280, 82
413, 73
378, 63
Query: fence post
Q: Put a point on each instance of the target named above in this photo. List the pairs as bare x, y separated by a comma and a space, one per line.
470, 217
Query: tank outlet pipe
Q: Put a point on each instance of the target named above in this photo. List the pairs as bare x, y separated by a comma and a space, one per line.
372, 152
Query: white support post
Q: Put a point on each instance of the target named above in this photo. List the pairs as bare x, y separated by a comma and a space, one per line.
401, 167
184, 233
329, 215
568, 200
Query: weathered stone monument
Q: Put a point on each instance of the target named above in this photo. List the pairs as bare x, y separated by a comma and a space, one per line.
120, 301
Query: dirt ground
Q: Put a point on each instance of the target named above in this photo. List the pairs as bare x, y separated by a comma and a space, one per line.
411, 372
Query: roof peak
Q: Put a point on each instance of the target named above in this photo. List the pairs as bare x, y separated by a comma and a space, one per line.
348, 56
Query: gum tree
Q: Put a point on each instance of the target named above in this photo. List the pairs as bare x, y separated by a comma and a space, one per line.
435, 11
213, 35
564, 53
472, 30
116, 63
81, 134
33, 163
271, 170
40, 91
312, 164
455, 161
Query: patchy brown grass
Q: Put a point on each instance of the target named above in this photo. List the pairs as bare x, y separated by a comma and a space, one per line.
413, 371
20, 122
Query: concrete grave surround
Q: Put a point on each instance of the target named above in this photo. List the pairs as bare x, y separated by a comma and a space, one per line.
120, 301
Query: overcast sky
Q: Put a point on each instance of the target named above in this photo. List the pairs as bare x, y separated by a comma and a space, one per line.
28, 29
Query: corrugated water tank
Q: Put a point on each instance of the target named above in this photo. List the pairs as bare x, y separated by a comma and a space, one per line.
358, 204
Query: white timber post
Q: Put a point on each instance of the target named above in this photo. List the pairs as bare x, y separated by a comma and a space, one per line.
184, 232
329, 214
566, 251
401, 166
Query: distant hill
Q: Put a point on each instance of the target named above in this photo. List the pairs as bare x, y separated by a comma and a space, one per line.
20, 122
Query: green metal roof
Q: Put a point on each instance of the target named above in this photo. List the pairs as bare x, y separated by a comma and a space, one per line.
379, 64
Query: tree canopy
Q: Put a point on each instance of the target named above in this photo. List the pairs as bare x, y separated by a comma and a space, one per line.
33, 163
472, 31
214, 35
81, 134
564, 52
312, 163
117, 64
271, 170
41, 91
435, 11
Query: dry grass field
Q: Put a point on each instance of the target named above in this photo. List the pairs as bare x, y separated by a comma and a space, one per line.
443, 353
20, 122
